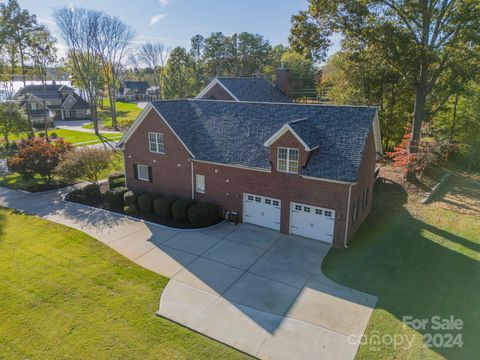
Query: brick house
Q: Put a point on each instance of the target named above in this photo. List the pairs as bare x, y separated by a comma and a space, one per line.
248, 89
299, 169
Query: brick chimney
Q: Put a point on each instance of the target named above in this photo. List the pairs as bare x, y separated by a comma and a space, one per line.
281, 79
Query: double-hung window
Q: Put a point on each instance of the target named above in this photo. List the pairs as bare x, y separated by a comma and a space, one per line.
143, 173
365, 199
156, 142
287, 160
200, 183
355, 211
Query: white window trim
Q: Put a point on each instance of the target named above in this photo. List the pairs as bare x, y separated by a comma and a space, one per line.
138, 172
288, 160
197, 188
150, 133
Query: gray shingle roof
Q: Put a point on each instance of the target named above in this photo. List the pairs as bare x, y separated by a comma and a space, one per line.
254, 89
139, 87
233, 133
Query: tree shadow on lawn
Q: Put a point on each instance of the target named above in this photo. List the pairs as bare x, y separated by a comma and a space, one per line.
416, 269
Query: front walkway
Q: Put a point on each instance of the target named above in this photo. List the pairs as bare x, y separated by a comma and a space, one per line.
249, 287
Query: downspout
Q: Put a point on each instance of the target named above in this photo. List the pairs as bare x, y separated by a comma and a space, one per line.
193, 184
348, 215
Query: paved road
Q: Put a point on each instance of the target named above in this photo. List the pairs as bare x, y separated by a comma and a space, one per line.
77, 125
249, 287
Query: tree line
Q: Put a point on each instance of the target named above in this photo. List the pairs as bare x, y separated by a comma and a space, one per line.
418, 61
182, 72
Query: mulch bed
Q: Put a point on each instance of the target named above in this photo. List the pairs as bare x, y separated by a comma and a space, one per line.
150, 216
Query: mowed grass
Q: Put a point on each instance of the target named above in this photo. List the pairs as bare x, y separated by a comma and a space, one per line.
65, 295
420, 261
126, 114
74, 137
15, 181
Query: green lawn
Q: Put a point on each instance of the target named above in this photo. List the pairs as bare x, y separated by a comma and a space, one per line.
15, 181
74, 137
65, 295
421, 261
126, 115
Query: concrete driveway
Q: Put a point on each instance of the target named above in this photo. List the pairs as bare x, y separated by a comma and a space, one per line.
263, 293
246, 286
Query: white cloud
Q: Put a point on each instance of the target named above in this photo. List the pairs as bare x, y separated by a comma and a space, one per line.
47, 21
163, 2
156, 18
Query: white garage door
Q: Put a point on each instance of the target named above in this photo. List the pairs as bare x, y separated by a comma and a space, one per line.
312, 222
261, 210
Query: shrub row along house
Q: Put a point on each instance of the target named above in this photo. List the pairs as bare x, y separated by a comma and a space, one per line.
61, 103
300, 169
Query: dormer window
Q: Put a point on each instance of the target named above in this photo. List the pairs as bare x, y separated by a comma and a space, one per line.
287, 160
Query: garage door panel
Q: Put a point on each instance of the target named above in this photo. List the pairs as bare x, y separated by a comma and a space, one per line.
262, 211
312, 222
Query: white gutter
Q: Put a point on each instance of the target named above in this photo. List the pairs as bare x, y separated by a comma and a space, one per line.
193, 182
348, 215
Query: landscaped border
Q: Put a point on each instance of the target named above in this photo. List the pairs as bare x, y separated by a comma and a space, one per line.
141, 220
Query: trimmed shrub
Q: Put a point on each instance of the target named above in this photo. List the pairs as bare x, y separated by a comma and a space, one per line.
116, 175
130, 198
54, 135
115, 183
163, 206
76, 195
114, 198
145, 201
91, 191
180, 209
204, 214
130, 209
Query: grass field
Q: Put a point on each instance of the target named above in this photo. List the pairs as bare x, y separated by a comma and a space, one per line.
126, 115
15, 181
65, 295
421, 261
74, 137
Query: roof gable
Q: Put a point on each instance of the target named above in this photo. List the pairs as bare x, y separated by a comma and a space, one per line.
248, 89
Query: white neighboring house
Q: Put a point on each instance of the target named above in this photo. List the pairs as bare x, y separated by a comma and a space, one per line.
61, 103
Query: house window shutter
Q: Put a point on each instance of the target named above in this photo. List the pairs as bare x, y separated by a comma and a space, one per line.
150, 177
135, 171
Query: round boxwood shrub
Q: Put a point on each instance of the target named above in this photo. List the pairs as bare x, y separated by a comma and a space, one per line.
115, 183
180, 209
76, 195
163, 206
145, 201
130, 198
130, 209
204, 214
114, 198
91, 191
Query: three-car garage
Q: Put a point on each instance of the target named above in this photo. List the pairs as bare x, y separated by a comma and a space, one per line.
305, 220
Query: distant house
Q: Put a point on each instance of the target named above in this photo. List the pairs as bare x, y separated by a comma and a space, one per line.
61, 103
137, 91
248, 89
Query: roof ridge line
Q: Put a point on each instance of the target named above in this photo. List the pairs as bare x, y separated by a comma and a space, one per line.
297, 120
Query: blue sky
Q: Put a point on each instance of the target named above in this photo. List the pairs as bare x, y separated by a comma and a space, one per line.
174, 22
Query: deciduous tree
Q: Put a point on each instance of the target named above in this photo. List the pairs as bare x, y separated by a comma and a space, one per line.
84, 164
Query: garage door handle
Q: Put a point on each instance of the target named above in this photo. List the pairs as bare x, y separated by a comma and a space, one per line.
293, 226
247, 215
